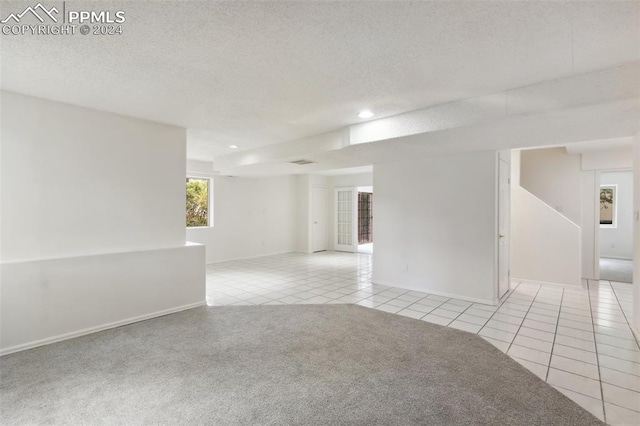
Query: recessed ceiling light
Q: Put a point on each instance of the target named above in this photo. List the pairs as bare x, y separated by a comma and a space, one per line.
234, 146
365, 114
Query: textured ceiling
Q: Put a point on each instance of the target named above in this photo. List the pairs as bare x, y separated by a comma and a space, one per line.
258, 73
625, 143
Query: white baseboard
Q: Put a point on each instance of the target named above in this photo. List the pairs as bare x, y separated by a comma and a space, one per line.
213, 262
616, 257
545, 282
83, 332
440, 293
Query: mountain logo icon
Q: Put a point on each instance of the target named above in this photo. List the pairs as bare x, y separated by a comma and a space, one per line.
39, 11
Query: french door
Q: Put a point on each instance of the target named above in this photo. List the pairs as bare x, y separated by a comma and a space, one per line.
365, 217
346, 219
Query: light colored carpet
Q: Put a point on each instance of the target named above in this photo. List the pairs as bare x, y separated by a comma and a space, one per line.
260, 365
616, 270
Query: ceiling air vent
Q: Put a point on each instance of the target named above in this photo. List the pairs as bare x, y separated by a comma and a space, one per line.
302, 162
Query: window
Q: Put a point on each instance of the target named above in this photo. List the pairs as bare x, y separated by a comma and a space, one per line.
608, 201
198, 197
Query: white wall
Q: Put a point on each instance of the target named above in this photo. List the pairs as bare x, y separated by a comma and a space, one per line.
251, 217
608, 159
77, 181
357, 179
545, 244
48, 300
87, 195
618, 242
636, 233
553, 176
436, 222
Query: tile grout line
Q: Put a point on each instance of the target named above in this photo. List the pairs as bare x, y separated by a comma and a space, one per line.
623, 372
496, 311
554, 336
575, 374
344, 295
458, 316
624, 315
393, 298
428, 313
473, 303
625, 408
604, 412
588, 396
472, 315
620, 347
525, 316
617, 386
470, 323
279, 299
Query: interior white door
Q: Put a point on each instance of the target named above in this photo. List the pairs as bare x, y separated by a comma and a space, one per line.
319, 237
346, 219
504, 212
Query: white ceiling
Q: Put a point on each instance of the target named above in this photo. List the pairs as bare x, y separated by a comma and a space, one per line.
347, 171
602, 106
259, 73
625, 143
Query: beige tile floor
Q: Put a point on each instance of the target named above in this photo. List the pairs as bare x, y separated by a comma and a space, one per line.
576, 339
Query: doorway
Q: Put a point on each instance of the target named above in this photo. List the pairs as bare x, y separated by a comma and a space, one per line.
319, 240
615, 226
353, 224
504, 221
365, 219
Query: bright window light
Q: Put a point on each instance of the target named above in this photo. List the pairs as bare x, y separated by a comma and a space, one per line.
198, 202
608, 206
